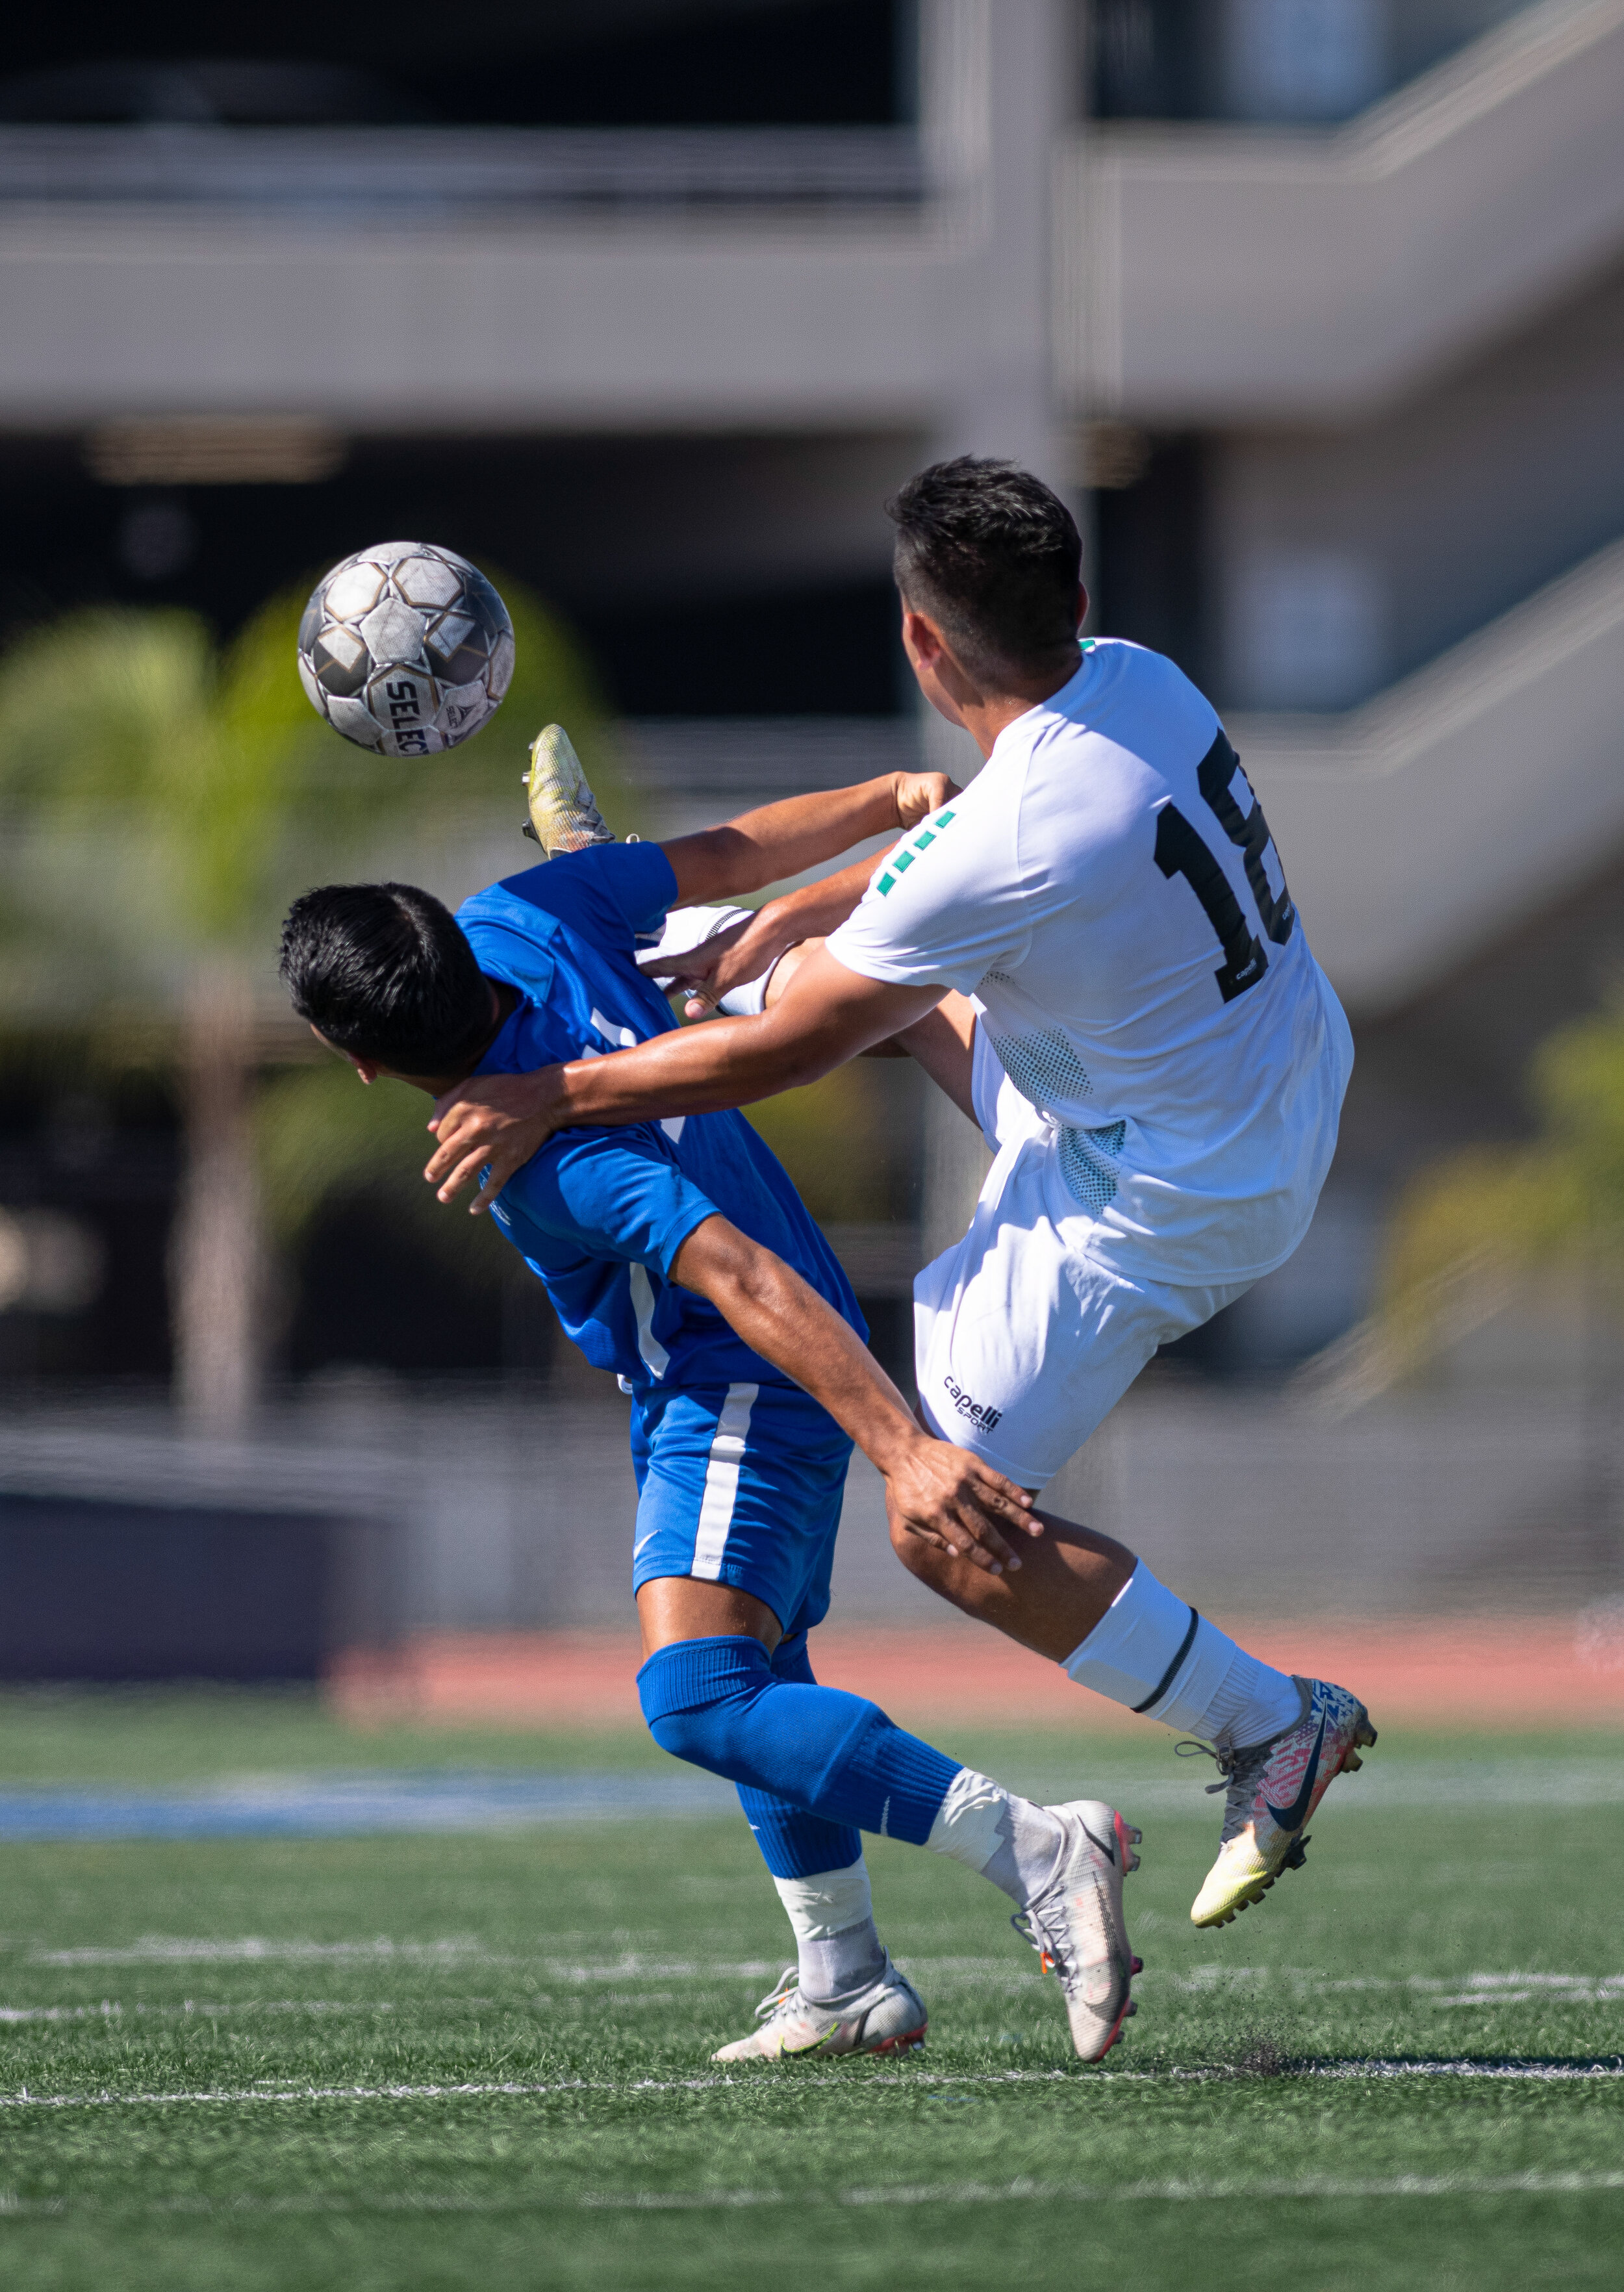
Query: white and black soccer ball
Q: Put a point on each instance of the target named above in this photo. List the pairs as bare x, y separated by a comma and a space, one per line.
406, 650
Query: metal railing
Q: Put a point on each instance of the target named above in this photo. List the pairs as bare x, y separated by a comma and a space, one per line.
417, 169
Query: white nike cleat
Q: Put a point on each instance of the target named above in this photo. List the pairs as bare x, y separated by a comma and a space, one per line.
564, 815
888, 2017
1273, 1788
1076, 1924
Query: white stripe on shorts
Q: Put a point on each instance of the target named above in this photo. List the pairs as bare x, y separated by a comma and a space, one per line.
722, 1481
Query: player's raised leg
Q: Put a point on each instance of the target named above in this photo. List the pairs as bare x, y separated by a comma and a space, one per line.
1024, 1344
1279, 1741
564, 812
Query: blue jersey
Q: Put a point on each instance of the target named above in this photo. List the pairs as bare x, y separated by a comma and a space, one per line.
599, 1214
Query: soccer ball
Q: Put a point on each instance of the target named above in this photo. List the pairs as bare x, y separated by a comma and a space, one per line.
406, 650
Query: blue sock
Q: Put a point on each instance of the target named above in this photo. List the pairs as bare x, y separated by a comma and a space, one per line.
793, 1844
717, 1703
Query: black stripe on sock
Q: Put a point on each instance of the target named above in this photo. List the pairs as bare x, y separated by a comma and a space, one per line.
1171, 1673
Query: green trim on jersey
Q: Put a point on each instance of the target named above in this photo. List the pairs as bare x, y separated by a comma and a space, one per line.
904, 855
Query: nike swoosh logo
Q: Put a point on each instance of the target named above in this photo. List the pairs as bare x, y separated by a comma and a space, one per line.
1103, 1848
1293, 1817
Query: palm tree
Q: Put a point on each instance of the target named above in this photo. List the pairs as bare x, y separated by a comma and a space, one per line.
168, 796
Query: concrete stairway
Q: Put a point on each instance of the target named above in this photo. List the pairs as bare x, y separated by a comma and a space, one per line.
1218, 273
1434, 818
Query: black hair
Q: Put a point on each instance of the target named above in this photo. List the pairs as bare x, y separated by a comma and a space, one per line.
994, 557
385, 972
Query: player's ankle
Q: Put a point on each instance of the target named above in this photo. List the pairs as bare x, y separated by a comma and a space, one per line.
834, 1970
1154, 1654
838, 1949
1012, 1841
1255, 1704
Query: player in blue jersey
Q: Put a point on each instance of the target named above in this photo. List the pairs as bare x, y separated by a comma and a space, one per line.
738, 1337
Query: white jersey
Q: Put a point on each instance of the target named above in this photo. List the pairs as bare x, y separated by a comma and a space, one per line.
1106, 890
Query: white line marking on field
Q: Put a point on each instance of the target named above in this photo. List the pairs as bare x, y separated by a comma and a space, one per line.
919, 2081
949, 2192
974, 2192
113, 2010
163, 1949
233, 2096
457, 1950
1473, 1990
1432, 1988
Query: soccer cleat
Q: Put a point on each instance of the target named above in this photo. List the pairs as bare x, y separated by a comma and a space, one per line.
1273, 1788
888, 2017
564, 815
1076, 1924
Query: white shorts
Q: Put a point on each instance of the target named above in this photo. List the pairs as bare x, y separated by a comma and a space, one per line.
1022, 1344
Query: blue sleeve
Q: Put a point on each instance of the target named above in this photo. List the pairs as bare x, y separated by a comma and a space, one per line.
614, 1194
608, 892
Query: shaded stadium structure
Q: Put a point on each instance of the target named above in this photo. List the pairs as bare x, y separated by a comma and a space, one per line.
649, 304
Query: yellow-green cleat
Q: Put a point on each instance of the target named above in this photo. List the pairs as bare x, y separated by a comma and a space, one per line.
564, 815
1272, 1790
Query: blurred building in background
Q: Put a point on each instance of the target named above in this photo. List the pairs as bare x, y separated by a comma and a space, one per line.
1315, 306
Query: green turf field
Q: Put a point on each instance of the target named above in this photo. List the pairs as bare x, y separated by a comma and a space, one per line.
481, 2060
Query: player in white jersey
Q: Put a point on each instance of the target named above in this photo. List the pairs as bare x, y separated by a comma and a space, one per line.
1159, 1072
1092, 950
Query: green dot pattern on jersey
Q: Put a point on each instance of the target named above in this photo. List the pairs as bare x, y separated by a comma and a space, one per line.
1084, 1165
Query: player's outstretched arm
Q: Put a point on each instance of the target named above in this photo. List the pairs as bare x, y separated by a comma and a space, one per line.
941, 1493
828, 1014
777, 840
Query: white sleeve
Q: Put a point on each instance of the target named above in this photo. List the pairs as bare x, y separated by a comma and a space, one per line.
942, 909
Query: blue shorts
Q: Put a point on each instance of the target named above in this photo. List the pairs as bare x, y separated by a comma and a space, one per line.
740, 1484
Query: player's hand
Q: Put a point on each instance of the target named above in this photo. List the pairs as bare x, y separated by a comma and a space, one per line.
954, 1501
500, 1120
733, 959
919, 794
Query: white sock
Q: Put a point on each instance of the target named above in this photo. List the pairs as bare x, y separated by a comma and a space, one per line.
838, 1950
1012, 1841
1251, 1705
1152, 1651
